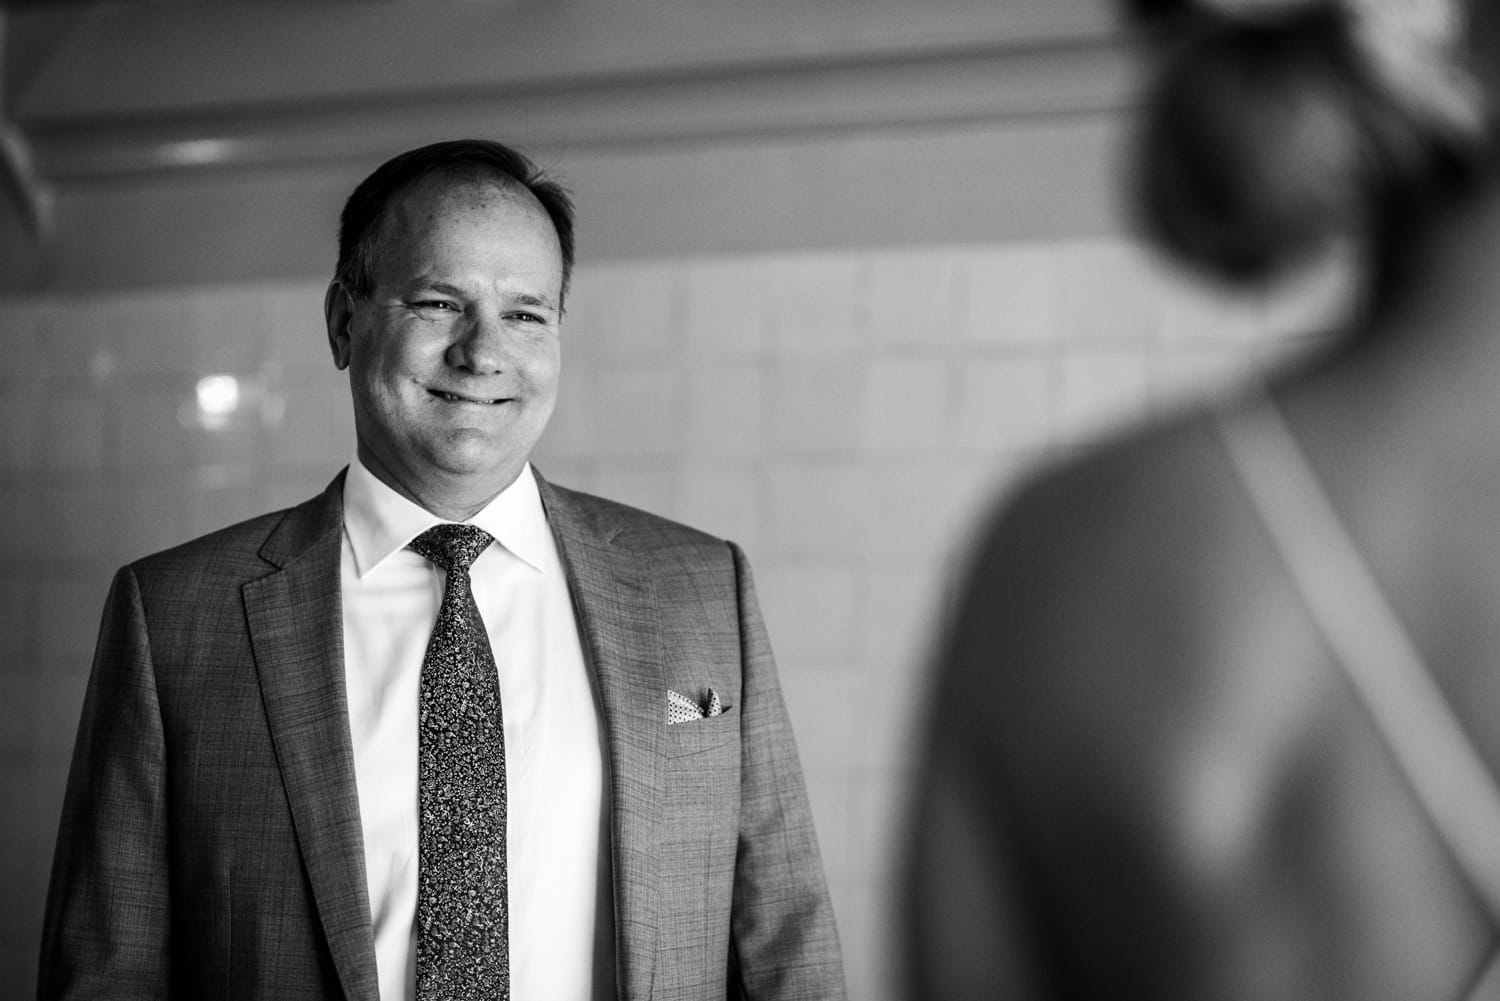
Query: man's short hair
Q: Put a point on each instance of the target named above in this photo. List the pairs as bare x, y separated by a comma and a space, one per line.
482, 159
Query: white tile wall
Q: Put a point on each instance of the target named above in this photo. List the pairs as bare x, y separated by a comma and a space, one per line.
912, 298
816, 404
906, 403
845, 416
1009, 294
727, 407
630, 311
1004, 402
725, 305
812, 306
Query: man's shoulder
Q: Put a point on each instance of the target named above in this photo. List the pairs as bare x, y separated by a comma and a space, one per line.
240, 549
622, 524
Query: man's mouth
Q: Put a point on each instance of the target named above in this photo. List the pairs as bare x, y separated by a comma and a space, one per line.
460, 398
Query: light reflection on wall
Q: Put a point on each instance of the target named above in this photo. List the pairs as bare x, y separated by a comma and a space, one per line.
196, 152
223, 400
218, 399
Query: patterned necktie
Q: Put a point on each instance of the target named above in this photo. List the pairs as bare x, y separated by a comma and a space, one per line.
463, 948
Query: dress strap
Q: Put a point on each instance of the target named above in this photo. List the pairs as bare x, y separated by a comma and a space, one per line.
1486, 986
1439, 761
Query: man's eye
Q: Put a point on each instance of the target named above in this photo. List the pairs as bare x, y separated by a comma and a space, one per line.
433, 305
526, 317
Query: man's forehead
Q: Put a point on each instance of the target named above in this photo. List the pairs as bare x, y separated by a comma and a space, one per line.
421, 201
425, 210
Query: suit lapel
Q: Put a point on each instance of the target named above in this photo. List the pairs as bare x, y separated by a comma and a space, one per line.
617, 619
296, 631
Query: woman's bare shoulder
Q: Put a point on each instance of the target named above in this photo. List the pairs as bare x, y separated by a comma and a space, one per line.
1129, 592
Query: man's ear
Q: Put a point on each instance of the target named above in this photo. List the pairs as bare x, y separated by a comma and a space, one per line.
338, 313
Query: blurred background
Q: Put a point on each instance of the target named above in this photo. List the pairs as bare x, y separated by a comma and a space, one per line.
847, 269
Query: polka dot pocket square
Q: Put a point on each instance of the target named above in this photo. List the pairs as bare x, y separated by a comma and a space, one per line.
681, 709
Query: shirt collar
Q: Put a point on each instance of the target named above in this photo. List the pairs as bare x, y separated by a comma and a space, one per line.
379, 522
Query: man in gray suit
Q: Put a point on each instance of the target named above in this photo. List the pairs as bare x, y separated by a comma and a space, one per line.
254, 808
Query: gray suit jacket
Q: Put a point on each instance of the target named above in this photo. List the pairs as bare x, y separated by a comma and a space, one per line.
211, 845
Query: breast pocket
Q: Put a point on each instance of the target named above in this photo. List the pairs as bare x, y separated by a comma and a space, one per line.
701, 794
700, 735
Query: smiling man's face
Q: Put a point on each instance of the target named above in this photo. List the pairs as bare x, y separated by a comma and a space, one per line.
453, 357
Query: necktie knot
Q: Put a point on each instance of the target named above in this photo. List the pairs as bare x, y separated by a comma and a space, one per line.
451, 546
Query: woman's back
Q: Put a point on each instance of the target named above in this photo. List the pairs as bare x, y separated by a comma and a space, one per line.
1195, 801
1167, 759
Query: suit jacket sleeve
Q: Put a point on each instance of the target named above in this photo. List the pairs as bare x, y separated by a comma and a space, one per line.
106, 928
785, 943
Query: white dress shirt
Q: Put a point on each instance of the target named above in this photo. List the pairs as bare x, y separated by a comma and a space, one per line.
556, 838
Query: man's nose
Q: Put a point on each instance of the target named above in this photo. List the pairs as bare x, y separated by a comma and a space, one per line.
481, 346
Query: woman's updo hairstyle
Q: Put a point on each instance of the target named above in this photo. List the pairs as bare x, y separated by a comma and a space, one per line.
1274, 126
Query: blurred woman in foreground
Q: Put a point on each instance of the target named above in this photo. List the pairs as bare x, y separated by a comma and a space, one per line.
1219, 713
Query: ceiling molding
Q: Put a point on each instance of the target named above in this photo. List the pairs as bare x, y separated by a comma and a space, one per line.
180, 141
129, 90
978, 85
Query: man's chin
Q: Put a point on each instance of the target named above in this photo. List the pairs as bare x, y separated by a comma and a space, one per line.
473, 460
